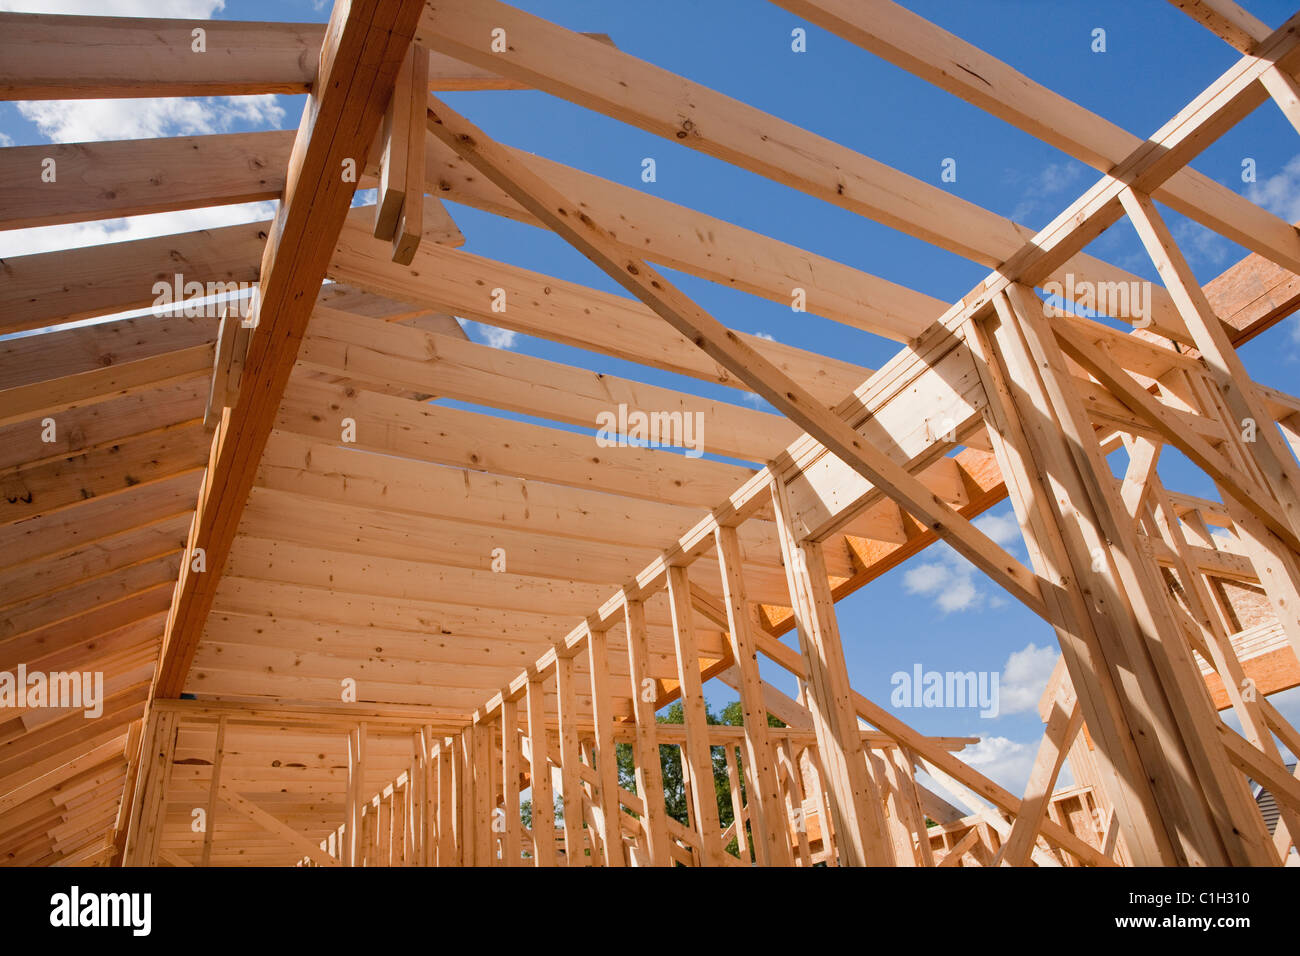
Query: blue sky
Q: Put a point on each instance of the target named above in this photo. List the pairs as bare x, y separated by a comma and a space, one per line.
934, 610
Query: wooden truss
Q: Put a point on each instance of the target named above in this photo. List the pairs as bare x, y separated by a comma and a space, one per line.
343, 623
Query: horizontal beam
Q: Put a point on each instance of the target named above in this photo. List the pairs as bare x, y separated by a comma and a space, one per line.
365, 45
454, 281
136, 177
608, 81
53, 57
937, 56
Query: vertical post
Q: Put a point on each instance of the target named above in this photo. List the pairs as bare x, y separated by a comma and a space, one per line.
448, 804
737, 801
649, 772
158, 747
771, 841
1062, 725
698, 758
539, 770
466, 830
209, 822
511, 848
1215, 822
1034, 462
855, 798
481, 747
575, 853
606, 761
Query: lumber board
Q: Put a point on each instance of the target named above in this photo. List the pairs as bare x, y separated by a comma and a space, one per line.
359, 62
117, 178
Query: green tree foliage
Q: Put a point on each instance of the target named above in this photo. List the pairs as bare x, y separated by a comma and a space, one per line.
670, 760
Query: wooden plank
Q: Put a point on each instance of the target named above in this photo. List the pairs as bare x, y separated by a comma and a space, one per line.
697, 762
1062, 727
683, 238
539, 772
46, 288
374, 352
564, 64
47, 57
860, 827
606, 795
725, 347
1221, 822
455, 281
117, 178
1228, 20
410, 219
1269, 452
363, 50
649, 772
906, 736
103, 385
575, 853
909, 41
1122, 385
46, 488
771, 843
267, 821
511, 841
214, 790
397, 426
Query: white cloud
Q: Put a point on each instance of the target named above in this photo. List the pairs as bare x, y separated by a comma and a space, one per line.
191, 9
22, 242
1024, 678
765, 335
1002, 528
950, 583
6, 139
1051, 181
1197, 242
489, 335
1279, 194
1004, 760
82, 121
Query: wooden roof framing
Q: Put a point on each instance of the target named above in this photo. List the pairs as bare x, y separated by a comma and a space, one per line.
353, 622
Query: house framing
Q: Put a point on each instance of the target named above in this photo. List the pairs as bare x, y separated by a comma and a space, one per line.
342, 624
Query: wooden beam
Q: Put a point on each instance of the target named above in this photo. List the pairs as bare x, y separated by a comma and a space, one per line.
47, 288
862, 835
564, 64
108, 180
607, 789
455, 281
1239, 393
84, 389
214, 790
539, 772
680, 237
1122, 385
697, 759
364, 48
769, 822
1062, 727
728, 349
273, 824
55, 57
937, 56
1228, 20
649, 772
